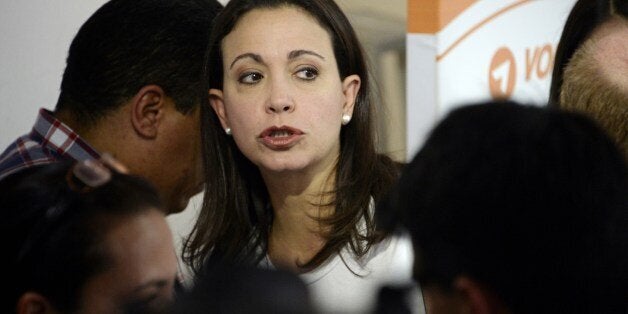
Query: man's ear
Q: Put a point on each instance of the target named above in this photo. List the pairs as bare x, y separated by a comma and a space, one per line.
350, 88
217, 103
478, 298
147, 110
33, 303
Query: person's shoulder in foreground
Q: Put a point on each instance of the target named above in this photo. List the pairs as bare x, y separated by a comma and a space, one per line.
245, 290
50, 140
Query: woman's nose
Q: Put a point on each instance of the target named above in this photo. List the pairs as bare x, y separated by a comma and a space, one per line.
280, 97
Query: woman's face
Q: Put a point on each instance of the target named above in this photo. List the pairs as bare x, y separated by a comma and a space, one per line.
143, 271
282, 95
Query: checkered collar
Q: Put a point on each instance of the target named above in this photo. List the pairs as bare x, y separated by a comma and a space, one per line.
60, 138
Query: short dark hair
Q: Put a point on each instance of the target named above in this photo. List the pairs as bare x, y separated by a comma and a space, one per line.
587, 89
531, 202
128, 44
52, 234
585, 17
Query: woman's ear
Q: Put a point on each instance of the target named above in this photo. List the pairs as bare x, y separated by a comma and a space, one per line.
217, 103
350, 88
33, 303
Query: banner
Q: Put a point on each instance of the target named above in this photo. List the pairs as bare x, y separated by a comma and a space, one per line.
462, 51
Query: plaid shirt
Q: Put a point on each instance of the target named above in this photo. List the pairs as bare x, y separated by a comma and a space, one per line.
48, 142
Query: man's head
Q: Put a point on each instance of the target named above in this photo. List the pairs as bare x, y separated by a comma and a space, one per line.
133, 85
520, 209
595, 80
591, 66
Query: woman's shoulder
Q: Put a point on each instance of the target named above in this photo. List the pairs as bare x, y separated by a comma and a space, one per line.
395, 250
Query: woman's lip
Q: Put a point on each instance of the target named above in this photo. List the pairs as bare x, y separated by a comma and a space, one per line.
269, 131
283, 142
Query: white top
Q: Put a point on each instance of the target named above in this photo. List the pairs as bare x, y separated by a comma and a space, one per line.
336, 289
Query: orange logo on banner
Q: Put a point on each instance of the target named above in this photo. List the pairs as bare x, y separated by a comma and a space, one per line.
502, 74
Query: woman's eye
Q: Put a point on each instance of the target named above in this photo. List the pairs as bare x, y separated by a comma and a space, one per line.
307, 74
250, 78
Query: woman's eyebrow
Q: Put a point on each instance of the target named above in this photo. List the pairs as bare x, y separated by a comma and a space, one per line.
297, 53
291, 55
257, 58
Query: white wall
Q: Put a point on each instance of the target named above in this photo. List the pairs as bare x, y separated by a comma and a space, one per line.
34, 39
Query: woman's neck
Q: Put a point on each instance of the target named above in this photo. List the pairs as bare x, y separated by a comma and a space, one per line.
295, 237
298, 203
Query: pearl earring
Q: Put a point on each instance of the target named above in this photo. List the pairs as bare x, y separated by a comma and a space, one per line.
346, 119
228, 131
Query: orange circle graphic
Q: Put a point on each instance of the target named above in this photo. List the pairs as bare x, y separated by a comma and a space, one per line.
502, 74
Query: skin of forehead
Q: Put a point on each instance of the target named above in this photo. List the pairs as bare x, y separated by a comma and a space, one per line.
292, 11
610, 46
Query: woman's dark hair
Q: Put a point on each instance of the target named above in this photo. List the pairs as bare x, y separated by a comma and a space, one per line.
234, 221
54, 232
531, 202
585, 17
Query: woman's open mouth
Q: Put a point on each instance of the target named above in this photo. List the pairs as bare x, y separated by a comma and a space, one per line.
280, 138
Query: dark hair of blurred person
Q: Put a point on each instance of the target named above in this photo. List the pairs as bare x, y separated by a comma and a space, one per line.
516, 209
84, 239
244, 290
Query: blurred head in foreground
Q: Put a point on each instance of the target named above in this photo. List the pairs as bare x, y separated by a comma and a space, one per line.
85, 239
516, 209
